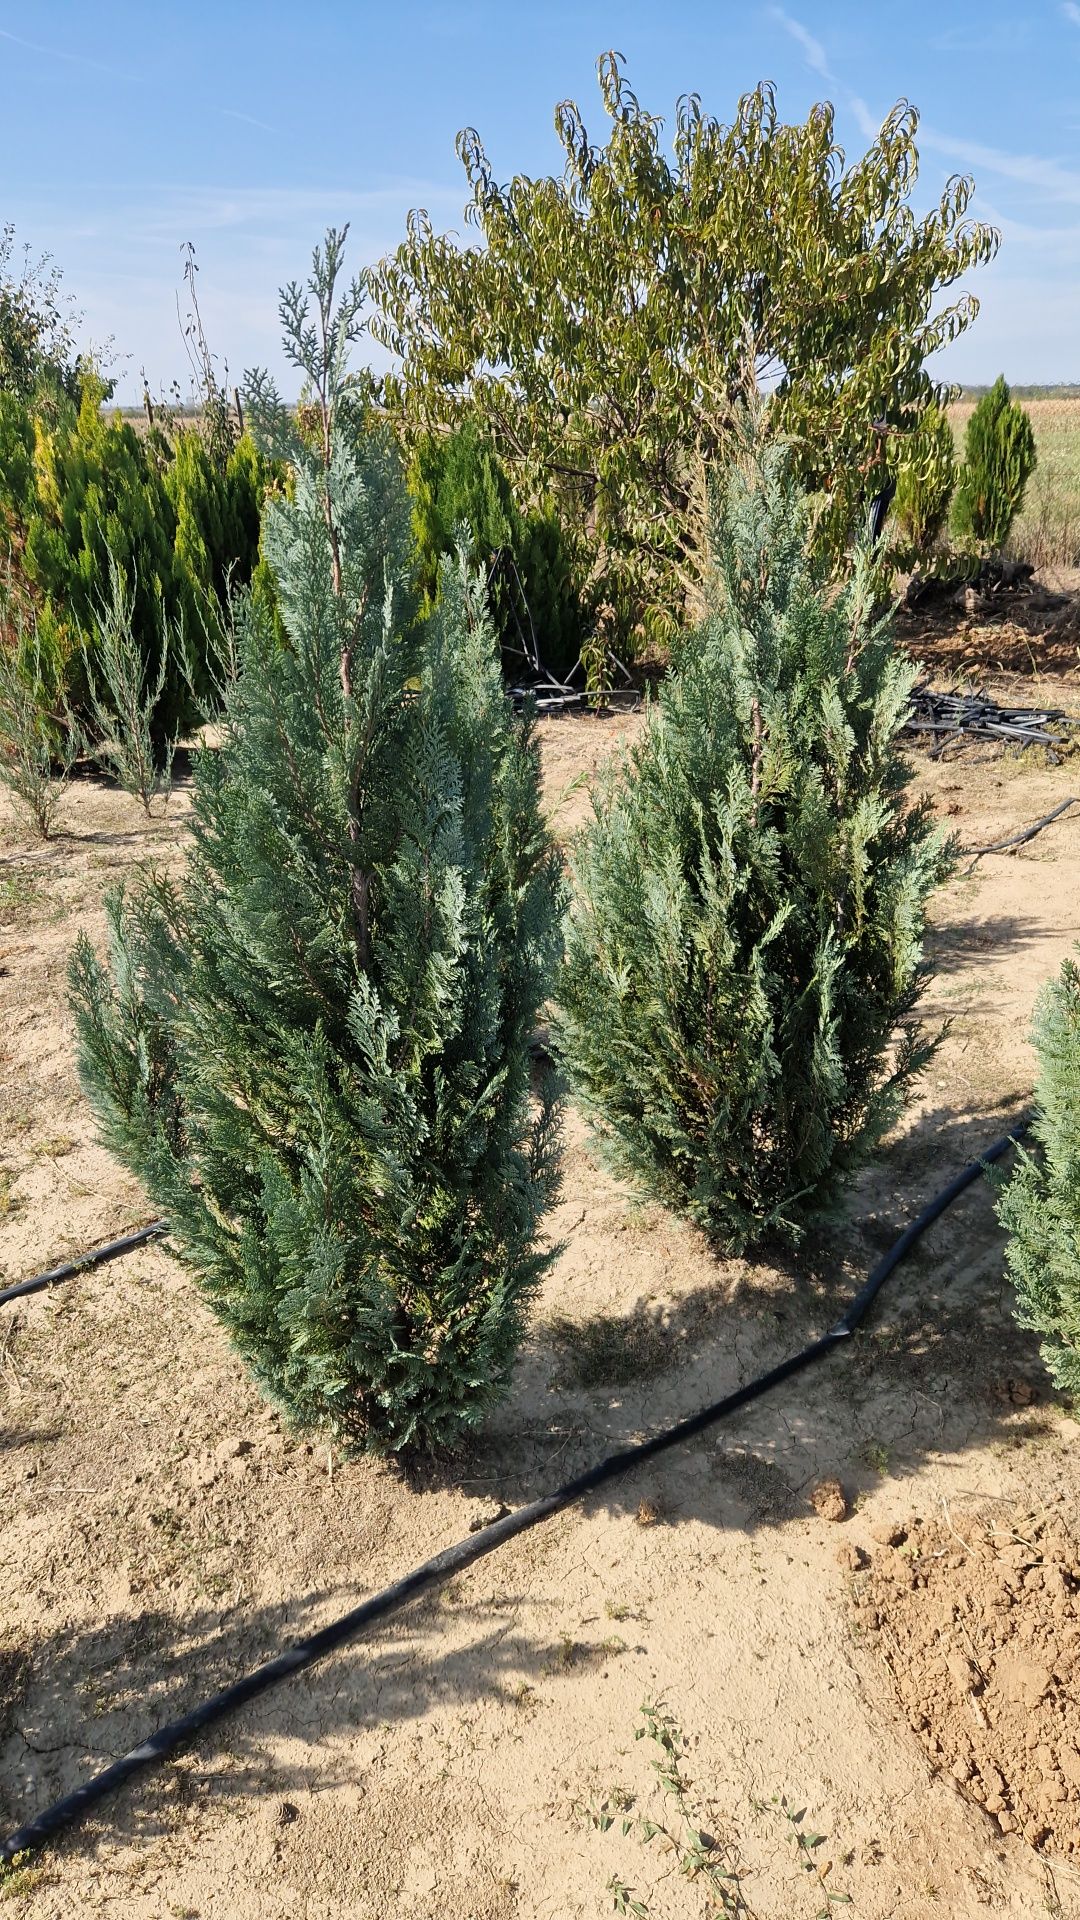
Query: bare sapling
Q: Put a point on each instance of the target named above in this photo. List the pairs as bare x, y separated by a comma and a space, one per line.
124, 695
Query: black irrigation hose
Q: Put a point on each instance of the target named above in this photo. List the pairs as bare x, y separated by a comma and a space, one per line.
74, 1806
539, 1046
1019, 839
93, 1259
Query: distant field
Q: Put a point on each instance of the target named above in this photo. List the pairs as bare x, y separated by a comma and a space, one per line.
1048, 530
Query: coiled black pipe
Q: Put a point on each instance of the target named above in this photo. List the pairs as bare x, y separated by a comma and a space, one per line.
74, 1806
93, 1259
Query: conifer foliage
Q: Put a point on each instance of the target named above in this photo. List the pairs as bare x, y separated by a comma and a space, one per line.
1040, 1206
314, 1049
743, 953
460, 492
999, 460
925, 477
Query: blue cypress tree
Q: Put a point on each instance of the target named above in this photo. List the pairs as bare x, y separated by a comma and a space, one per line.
1040, 1205
314, 1049
744, 948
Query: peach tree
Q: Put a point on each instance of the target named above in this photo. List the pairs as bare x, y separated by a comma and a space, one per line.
606, 321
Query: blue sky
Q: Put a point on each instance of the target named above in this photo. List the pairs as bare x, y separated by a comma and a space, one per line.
128, 127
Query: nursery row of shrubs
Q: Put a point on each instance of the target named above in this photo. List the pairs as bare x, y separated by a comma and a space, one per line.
557, 401
315, 1048
84, 498
126, 551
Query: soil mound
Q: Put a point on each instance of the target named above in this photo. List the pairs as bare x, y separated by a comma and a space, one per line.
979, 1625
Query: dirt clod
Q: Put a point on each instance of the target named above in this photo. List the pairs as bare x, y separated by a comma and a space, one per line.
486, 1514
829, 1501
888, 1533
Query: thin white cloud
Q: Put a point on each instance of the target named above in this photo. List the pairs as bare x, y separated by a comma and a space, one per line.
818, 62
1028, 170
120, 245
1005, 36
1059, 245
813, 50
166, 212
62, 53
869, 124
248, 119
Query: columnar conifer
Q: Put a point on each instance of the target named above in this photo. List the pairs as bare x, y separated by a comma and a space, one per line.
314, 1049
1040, 1205
999, 459
744, 949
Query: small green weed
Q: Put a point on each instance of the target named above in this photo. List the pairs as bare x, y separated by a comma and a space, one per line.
807, 1846
520, 1695
622, 1899
53, 1147
566, 1656
698, 1855
615, 1610
711, 1863
876, 1455
10, 1202
17, 1877
602, 1815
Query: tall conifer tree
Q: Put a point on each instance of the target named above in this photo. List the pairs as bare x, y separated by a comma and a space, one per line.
744, 950
314, 1050
999, 460
1040, 1205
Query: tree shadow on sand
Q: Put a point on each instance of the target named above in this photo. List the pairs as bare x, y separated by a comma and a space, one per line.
82, 1697
992, 940
939, 1366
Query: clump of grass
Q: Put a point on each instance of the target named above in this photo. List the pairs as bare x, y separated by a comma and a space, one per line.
876, 1456
19, 891
18, 1877
620, 1610
53, 1147
10, 1202
521, 1694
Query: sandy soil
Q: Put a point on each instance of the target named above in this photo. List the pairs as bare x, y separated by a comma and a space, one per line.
161, 1532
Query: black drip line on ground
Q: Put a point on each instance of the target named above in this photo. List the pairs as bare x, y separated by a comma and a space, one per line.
73, 1807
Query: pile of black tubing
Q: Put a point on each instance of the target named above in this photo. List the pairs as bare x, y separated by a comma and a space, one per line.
973, 716
452, 1560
